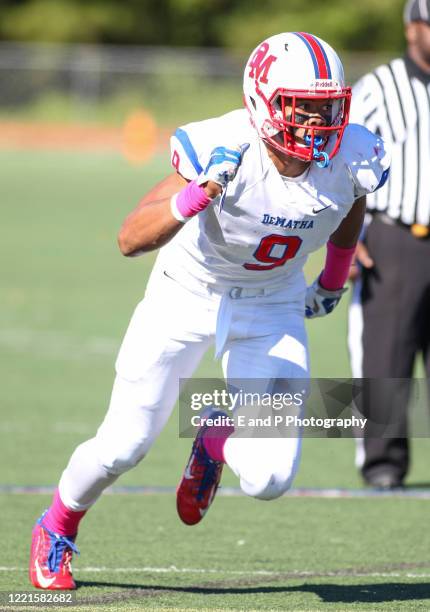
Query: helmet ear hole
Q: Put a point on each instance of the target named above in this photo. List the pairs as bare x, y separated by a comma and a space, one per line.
254, 104
280, 104
281, 101
276, 104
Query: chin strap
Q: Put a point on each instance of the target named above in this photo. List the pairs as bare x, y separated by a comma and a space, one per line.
320, 157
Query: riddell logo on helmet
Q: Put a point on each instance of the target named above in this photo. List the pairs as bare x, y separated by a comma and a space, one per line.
324, 84
260, 64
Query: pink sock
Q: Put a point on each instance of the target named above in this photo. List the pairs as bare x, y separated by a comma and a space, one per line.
61, 519
214, 441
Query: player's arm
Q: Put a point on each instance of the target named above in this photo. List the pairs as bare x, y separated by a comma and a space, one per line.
152, 223
164, 210
326, 291
347, 234
361, 255
368, 167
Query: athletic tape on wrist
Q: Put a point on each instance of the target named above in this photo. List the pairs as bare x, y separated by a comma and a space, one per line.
191, 200
174, 209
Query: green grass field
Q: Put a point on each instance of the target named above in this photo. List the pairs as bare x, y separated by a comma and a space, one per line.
66, 297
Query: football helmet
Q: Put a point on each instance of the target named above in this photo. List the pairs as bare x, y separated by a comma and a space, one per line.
282, 74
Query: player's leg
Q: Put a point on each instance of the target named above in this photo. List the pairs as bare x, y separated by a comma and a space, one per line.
424, 327
266, 467
266, 340
138, 412
384, 349
167, 336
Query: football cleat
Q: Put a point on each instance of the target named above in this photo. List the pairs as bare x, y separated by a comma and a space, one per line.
200, 480
50, 558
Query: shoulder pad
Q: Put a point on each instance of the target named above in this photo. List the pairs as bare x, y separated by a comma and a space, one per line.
366, 158
192, 144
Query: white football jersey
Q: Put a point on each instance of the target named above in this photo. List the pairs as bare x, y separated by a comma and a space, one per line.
261, 231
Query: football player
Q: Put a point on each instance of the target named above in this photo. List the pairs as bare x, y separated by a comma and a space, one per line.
253, 193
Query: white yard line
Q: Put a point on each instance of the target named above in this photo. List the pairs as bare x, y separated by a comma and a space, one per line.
188, 570
13, 489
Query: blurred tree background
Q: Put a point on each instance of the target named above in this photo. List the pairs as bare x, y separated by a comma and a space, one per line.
106, 58
233, 24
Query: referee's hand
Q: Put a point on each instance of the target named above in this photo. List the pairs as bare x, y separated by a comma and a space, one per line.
361, 257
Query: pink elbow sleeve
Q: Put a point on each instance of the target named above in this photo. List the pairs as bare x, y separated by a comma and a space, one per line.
336, 269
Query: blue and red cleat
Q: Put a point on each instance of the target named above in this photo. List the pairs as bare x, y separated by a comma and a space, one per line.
200, 480
50, 559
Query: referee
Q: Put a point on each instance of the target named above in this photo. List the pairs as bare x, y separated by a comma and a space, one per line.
389, 318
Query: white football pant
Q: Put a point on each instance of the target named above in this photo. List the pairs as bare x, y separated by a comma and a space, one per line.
258, 336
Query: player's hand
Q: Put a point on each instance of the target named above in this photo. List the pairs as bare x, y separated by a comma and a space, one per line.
361, 257
222, 168
320, 302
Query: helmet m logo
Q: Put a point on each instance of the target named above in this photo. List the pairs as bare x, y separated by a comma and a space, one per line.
260, 63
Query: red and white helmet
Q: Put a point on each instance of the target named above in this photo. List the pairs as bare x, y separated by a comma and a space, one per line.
291, 66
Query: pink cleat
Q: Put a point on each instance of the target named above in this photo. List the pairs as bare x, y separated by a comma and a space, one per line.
200, 481
50, 559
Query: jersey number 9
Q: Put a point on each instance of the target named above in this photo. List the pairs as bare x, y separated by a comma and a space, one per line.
290, 245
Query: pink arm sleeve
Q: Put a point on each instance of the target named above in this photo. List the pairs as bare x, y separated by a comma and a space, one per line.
336, 269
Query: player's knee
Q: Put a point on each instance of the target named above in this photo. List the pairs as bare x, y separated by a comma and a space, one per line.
268, 486
120, 463
117, 459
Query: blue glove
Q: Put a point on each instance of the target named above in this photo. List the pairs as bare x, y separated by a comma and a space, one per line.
223, 165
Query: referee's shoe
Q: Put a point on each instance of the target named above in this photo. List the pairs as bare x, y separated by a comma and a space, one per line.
384, 481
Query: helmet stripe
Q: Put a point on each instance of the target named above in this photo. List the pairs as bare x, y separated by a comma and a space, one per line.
318, 54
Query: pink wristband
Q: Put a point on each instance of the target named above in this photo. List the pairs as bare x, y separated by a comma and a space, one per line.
190, 201
336, 269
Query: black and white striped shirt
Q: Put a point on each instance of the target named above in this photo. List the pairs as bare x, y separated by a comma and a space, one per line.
394, 102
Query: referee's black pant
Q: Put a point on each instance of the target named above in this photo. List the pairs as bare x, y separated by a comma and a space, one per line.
392, 304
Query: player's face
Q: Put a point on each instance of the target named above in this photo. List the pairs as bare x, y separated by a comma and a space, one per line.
315, 113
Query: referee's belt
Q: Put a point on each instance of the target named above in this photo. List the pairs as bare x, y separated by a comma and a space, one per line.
416, 229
